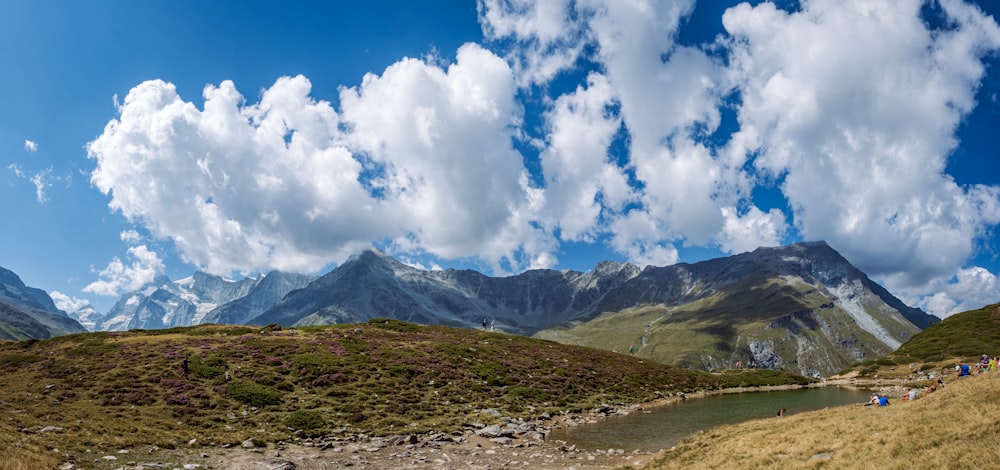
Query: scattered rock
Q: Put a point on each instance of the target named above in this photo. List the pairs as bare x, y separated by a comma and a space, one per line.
281, 465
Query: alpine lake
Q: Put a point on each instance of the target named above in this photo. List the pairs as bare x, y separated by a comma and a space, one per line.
662, 427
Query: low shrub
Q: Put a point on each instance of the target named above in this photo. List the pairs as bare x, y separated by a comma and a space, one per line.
304, 419
206, 368
253, 394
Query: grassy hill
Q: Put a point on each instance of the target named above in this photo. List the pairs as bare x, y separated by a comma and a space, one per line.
220, 385
955, 427
963, 337
795, 321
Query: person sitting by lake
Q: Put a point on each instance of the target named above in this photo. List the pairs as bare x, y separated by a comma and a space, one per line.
883, 400
963, 370
781, 412
873, 400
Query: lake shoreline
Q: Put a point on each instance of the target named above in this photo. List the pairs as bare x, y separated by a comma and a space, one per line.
497, 442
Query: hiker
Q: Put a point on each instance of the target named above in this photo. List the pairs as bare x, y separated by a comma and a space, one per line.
883, 400
963, 370
493, 325
873, 400
184, 366
484, 324
781, 412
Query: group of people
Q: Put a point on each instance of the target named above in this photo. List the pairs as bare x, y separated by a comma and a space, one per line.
986, 364
878, 400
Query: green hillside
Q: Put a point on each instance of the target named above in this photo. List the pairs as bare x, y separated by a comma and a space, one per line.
106, 391
963, 337
795, 321
966, 334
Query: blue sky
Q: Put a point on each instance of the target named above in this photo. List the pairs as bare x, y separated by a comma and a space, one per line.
146, 138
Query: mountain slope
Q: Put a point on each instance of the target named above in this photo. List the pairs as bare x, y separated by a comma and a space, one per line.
166, 304
28, 312
962, 335
374, 285
802, 308
262, 296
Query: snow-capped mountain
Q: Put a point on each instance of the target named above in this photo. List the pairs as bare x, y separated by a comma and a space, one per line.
192, 300
165, 304
267, 292
28, 312
88, 316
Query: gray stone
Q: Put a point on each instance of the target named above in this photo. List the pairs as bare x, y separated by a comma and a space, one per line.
821, 457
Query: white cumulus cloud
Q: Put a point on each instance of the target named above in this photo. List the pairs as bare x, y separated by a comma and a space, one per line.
420, 156
67, 303
30, 146
856, 104
118, 277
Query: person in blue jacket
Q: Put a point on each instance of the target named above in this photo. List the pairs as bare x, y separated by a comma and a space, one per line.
963, 370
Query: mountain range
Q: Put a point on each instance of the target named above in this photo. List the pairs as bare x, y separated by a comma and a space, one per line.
197, 299
27, 312
801, 307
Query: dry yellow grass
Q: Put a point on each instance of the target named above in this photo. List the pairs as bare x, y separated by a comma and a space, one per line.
957, 427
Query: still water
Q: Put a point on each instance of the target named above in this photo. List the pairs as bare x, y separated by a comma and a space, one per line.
664, 426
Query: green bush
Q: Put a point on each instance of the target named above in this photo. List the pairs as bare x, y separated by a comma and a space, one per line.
493, 373
403, 371
868, 370
17, 360
253, 394
353, 345
304, 419
93, 347
206, 368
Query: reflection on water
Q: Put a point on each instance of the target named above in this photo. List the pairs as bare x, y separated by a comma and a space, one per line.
662, 427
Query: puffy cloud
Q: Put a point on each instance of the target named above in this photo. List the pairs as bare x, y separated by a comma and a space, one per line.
67, 303
752, 229
131, 237
441, 143
855, 104
118, 277
420, 156
580, 181
549, 36
30, 146
970, 289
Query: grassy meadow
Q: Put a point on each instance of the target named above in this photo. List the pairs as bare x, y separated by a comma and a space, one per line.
82, 396
956, 427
